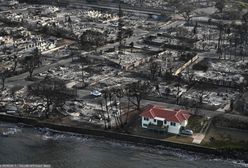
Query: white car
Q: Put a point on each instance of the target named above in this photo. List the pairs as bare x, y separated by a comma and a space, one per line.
187, 132
95, 93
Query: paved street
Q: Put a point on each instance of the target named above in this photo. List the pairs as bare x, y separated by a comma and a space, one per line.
115, 6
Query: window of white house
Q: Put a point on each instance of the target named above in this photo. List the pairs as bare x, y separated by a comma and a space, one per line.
155, 120
165, 122
173, 124
146, 119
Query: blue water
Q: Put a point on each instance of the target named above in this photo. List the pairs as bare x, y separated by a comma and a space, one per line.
63, 150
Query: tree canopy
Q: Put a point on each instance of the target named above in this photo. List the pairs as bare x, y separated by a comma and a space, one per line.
53, 91
138, 90
220, 5
29, 63
92, 38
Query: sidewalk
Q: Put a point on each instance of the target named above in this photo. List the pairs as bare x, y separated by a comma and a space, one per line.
197, 138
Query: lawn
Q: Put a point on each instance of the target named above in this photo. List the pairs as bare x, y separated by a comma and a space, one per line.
224, 138
227, 144
196, 123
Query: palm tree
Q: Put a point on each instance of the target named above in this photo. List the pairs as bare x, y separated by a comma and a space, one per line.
106, 96
120, 94
104, 119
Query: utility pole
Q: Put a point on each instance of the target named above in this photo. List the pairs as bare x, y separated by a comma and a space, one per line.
120, 29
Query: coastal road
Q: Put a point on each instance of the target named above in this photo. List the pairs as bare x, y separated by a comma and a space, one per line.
11, 10
114, 6
207, 113
20, 79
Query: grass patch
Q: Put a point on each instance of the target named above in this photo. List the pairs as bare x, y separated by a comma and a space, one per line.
196, 123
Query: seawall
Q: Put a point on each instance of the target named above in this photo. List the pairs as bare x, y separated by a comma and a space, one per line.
110, 134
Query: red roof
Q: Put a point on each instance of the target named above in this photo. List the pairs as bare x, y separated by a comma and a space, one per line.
153, 111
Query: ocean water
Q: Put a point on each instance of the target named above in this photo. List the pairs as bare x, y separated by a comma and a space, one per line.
26, 145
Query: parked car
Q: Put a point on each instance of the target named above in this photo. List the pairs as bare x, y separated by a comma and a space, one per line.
95, 93
187, 132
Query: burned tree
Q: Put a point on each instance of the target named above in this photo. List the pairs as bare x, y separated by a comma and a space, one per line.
4, 74
119, 92
155, 69
92, 39
220, 39
131, 45
15, 59
69, 24
141, 2
220, 5
190, 75
186, 11
103, 115
38, 56
75, 52
53, 92
138, 90
107, 95
82, 62
199, 98
29, 63
178, 85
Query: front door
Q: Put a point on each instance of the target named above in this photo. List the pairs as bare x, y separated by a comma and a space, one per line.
160, 123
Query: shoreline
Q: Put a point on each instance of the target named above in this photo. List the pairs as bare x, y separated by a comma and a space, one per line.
226, 154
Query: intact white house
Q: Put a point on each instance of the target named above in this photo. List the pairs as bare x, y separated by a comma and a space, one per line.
172, 120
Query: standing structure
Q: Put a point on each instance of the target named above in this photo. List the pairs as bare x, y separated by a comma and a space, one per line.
154, 117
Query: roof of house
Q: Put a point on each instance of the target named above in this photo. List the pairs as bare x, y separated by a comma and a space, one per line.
153, 111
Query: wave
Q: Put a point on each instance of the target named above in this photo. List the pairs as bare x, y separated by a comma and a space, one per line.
10, 131
240, 163
49, 134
